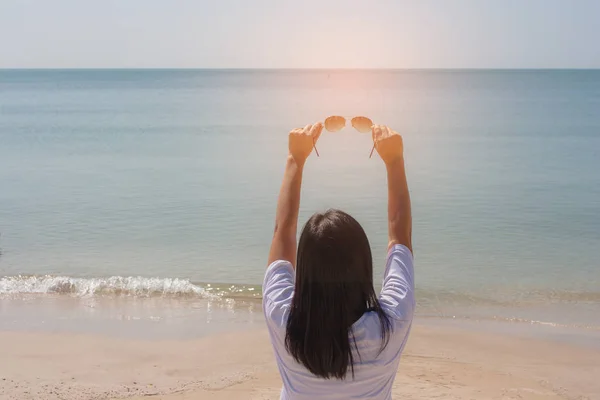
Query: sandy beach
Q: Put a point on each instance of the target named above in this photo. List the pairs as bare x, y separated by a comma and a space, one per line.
440, 362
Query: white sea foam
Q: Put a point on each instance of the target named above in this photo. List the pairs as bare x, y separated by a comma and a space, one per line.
112, 286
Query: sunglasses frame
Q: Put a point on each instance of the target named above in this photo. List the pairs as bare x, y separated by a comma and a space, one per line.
346, 118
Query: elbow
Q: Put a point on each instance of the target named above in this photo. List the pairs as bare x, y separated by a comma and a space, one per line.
400, 233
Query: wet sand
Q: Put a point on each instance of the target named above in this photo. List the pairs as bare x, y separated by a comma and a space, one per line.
440, 362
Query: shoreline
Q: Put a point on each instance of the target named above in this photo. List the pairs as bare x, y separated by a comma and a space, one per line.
178, 318
440, 361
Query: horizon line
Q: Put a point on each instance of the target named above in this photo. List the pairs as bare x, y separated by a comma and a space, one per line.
293, 69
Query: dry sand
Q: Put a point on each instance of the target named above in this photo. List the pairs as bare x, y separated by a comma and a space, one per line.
445, 363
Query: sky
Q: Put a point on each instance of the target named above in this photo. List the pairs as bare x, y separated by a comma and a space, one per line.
300, 34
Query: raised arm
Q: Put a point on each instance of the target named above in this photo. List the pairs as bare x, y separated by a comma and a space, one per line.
301, 143
389, 146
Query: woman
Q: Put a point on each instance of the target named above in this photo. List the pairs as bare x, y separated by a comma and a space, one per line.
333, 337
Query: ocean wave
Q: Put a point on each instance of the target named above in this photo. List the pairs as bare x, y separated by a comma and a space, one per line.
111, 286
137, 286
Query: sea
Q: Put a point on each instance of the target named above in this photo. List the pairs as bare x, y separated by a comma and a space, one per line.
142, 202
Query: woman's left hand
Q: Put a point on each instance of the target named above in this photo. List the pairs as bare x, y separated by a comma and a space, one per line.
302, 141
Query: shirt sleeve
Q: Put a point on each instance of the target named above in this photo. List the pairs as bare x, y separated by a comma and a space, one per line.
278, 290
398, 292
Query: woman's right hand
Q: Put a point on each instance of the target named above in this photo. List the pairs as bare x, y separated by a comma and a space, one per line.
388, 144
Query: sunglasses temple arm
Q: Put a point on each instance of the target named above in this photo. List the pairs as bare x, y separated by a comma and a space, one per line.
315, 147
371, 154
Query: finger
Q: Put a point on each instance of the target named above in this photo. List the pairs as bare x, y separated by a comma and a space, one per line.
316, 130
377, 132
386, 131
306, 129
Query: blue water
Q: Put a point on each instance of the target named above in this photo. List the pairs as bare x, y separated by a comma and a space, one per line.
174, 174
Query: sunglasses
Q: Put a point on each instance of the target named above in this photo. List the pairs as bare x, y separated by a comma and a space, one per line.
335, 123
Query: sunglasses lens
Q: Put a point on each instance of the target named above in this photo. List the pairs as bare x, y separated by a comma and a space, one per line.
362, 124
335, 123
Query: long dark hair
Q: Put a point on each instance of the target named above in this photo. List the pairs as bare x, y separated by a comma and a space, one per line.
334, 288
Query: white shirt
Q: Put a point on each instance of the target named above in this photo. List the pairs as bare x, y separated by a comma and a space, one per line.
374, 372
